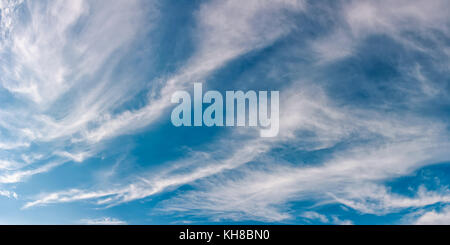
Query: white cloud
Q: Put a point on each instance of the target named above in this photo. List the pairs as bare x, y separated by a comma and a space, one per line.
36, 66
21, 174
262, 193
434, 217
8, 194
259, 24
398, 142
311, 215
396, 19
388, 16
315, 216
226, 30
48, 70
48, 63
103, 221
405, 143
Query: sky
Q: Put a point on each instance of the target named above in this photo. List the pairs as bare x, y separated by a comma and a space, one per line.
86, 135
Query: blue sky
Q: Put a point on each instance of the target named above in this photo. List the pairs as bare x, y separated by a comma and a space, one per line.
86, 136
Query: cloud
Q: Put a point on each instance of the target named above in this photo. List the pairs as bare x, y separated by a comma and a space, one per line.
261, 193
8, 194
35, 65
20, 175
315, 216
434, 217
395, 144
348, 178
150, 184
58, 62
397, 20
377, 200
311, 215
217, 44
103, 221
48, 67
239, 177
254, 25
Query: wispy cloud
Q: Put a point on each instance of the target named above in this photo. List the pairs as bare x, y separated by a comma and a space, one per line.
262, 193
20, 175
255, 25
314, 216
239, 176
398, 20
48, 69
103, 221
